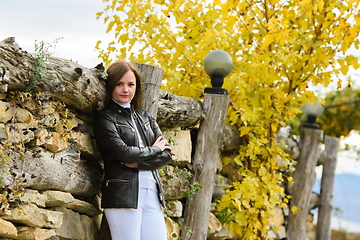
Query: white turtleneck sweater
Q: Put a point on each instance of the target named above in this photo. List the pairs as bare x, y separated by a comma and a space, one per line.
146, 178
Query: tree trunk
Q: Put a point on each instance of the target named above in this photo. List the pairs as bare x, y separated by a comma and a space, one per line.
151, 77
207, 153
303, 182
323, 227
177, 111
77, 86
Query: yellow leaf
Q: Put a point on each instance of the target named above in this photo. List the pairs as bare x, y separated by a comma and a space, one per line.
240, 219
123, 51
245, 203
123, 38
113, 4
273, 127
116, 18
283, 205
225, 201
97, 44
268, 113
356, 65
262, 171
68, 125
226, 160
294, 209
231, 228
99, 14
352, 61
238, 161
268, 40
244, 130
290, 179
111, 24
233, 117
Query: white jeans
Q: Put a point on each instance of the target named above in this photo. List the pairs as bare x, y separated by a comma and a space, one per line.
144, 223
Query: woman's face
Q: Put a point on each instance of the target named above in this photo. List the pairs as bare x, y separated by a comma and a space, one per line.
124, 91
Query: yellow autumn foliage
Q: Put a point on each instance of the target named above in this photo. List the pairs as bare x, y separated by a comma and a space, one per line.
278, 48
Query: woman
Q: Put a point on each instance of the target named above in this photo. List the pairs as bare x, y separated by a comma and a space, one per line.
133, 148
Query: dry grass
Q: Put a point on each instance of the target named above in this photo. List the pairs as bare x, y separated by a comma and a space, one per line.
339, 235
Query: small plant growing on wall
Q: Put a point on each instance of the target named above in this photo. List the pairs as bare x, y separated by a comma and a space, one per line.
42, 57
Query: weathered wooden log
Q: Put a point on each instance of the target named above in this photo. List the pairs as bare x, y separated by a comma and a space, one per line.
207, 154
77, 86
322, 158
323, 226
84, 89
151, 77
303, 182
177, 111
17, 65
63, 171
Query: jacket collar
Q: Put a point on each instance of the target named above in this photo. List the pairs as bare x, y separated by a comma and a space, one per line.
119, 109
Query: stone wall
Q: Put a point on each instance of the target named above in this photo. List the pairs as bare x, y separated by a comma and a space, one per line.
63, 174
56, 151
61, 170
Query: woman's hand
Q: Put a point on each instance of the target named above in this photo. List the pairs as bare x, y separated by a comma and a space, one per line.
130, 165
162, 143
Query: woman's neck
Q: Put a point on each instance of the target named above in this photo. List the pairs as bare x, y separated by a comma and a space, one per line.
124, 105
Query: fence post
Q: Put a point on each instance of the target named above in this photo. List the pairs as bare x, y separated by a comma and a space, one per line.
323, 226
303, 182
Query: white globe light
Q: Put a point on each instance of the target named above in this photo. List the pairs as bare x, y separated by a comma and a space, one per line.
218, 63
314, 108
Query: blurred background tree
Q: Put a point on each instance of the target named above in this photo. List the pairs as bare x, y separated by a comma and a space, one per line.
341, 114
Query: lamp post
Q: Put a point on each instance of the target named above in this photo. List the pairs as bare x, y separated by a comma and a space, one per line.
312, 110
217, 64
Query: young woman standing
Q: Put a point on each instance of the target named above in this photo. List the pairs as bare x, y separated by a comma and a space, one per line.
132, 148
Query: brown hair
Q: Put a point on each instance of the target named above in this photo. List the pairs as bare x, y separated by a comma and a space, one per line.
115, 71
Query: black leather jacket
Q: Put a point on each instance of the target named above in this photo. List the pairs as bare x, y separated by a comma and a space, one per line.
118, 142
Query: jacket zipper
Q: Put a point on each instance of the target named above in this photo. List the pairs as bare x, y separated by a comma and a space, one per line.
123, 125
146, 124
116, 180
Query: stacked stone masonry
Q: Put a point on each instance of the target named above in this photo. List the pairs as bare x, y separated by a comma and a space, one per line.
63, 172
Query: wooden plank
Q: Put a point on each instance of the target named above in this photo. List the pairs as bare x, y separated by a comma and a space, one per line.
304, 178
151, 79
323, 227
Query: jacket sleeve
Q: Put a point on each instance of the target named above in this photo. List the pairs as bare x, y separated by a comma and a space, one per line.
160, 160
156, 162
109, 141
